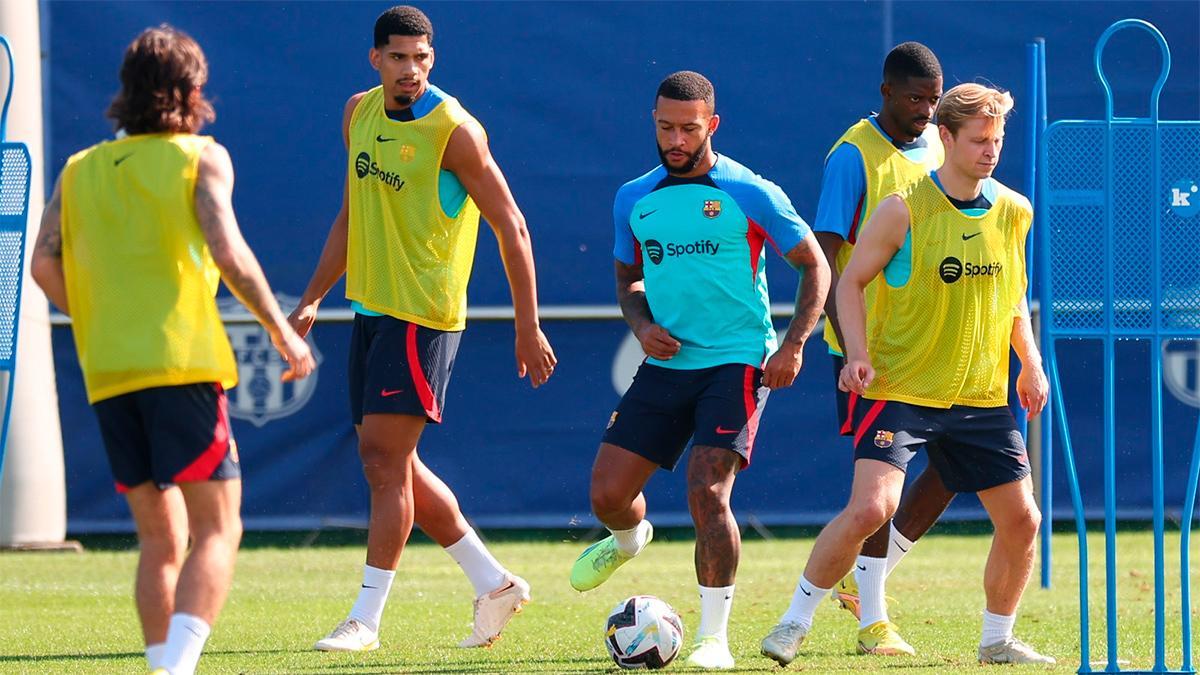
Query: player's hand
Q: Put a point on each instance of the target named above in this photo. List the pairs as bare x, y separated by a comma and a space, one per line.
783, 366
856, 375
302, 319
295, 351
535, 356
657, 342
1033, 390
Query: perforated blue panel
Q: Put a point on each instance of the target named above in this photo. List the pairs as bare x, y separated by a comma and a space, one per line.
1079, 193
14, 205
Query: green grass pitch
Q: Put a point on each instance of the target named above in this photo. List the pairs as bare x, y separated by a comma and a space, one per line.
66, 613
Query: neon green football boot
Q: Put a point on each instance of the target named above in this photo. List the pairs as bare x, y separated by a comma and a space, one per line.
598, 562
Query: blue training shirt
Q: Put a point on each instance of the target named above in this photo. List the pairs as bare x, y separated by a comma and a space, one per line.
844, 182
700, 242
451, 192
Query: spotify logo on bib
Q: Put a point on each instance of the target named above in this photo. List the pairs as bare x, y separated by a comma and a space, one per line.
950, 269
362, 164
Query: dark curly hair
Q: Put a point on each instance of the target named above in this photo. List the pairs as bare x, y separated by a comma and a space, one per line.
403, 20
161, 77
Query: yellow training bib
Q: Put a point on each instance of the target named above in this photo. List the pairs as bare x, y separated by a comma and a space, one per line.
406, 258
140, 279
887, 171
942, 339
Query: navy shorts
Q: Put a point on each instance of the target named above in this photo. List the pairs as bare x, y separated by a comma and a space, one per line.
843, 398
717, 407
973, 449
399, 368
168, 435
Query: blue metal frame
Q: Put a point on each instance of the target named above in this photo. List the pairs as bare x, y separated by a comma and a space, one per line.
16, 224
1156, 332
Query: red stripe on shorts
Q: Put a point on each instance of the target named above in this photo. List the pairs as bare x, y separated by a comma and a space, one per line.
753, 413
424, 391
868, 420
202, 467
848, 425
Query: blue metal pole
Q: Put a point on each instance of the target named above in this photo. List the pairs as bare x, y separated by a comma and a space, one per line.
1036, 54
1185, 553
1110, 411
1085, 649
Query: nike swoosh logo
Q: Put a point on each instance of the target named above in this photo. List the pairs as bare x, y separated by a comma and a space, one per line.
722, 430
971, 236
371, 587
389, 392
642, 216
381, 139
117, 161
805, 590
862, 568
902, 549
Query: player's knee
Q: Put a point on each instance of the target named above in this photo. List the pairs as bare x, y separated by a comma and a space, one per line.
1022, 525
706, 499
383, 467
866, 516
608, 499
163, 547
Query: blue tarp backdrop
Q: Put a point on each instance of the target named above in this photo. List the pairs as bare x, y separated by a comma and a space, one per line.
565, 91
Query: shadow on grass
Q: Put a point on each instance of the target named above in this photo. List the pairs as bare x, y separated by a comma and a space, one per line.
34, 658
525, 665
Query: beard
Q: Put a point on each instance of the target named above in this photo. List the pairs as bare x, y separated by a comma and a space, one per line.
690, 163
403, 100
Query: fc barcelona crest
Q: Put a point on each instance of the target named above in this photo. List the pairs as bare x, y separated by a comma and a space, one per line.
407, 153
712, 208
883, 439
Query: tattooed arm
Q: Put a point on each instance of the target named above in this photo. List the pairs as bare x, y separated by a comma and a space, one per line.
46, 265
239, 268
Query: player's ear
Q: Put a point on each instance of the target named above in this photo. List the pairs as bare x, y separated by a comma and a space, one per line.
945, 135
713, 123
375, 58
885, 90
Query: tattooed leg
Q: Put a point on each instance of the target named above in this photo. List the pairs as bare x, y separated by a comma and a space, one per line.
711, 472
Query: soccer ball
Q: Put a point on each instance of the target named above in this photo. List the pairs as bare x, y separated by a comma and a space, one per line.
643, 632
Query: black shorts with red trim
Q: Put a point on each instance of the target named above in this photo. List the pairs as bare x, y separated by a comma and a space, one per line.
168, 435
399, 368
973, 449
664, 408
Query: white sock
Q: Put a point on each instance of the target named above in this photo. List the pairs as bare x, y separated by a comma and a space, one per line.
477, 563
996, 628
870, 574
898, 547
805, 600
154, 654
633, 540
715, 604
186, 635
368, 608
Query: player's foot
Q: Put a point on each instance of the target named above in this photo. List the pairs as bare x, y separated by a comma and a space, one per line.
350, 635
845, 594
783, 642
711, 652
883, 639
1012, 650
494, 610
598, 562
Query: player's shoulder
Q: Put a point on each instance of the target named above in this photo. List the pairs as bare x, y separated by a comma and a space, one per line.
1018, 200
641, 186
747, 187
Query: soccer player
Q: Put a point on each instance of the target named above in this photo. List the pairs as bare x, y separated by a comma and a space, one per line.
877, 156
133, 242
927, 368
420, 172
691, 282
